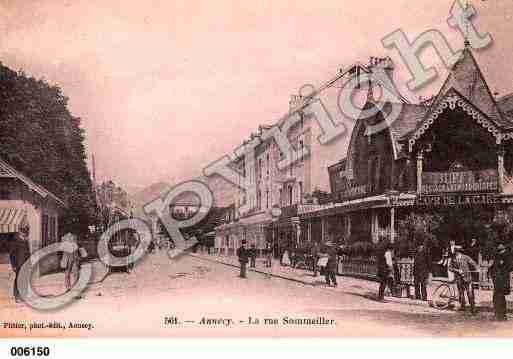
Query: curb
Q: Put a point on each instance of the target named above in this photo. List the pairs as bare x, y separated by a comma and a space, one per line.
405, 301
362, 277
252, 270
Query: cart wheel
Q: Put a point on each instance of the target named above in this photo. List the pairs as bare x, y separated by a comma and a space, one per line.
442, 297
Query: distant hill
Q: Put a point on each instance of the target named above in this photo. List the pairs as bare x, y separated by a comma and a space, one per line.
223, 191
142, 197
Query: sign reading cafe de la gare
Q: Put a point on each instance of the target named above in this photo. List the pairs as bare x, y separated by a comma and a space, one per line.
451, 154
457, 199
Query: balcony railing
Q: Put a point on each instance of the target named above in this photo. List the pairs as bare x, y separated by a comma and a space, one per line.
358, 191
462, 181
289, 211
354, 192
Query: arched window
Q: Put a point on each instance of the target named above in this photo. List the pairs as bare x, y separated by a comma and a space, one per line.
259, 199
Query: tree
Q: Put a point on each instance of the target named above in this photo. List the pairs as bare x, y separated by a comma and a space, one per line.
416, 229
43, 140
113, 204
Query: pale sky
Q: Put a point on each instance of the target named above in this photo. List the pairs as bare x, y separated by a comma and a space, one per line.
165, 87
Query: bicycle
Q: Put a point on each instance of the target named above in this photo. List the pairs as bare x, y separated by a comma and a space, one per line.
447, 293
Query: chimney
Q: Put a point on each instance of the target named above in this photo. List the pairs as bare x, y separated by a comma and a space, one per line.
294, 101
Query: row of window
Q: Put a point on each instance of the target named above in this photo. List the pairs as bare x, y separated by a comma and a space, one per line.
232, 242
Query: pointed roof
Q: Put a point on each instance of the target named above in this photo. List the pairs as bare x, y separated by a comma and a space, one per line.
7, 171
466, 78
407, 120
451, 99
411, 116
506, 105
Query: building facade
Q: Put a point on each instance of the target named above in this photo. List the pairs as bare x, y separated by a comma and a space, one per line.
451, 155
30, 208
265, 209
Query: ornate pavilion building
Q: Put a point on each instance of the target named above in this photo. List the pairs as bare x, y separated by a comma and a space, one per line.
451, 155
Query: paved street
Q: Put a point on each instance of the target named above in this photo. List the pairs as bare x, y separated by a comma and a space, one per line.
191, 289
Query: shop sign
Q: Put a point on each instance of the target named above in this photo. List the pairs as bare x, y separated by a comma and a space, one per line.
462, 181
457, 199
353, 191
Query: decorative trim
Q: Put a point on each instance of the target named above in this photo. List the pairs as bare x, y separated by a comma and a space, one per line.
451, 102
507, 136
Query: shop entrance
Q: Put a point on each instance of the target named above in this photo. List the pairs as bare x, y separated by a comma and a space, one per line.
461, 224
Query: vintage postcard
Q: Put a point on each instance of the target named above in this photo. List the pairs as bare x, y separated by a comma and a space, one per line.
216, 169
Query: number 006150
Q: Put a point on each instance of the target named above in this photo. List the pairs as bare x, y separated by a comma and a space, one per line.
30, 351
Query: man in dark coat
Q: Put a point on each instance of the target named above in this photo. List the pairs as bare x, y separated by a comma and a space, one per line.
331, 267
462, 266
473, 250
243, 255
421, 270
268, 255
252, 258
19, 253
500, 273
385, 270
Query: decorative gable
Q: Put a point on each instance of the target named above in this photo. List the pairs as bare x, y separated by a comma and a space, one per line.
452, 99
466, 78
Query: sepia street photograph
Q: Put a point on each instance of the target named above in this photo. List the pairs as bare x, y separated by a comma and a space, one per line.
255, 169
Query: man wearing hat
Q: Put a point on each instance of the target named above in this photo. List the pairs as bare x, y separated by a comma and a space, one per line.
461, 267
330, 272
243, 255
500, 274
19, 254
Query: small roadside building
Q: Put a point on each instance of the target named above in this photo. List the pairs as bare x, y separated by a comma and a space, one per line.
29, 207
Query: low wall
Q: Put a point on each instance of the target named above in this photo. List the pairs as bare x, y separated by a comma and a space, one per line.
359, 267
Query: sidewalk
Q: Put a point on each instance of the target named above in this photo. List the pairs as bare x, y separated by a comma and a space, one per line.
363, 287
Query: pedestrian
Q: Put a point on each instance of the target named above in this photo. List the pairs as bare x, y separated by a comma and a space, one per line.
69, 261
461, 267
452, 247
151, 247
293, 257
385, 271
269, 255
330, 272
421, 271
500, 273
473, 250
285, 260
314, 252
252, 258
19, 253
243, 254
447, 254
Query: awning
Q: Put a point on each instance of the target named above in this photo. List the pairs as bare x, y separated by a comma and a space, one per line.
11, 219
379, 201
253, 221
256, 219
286, 222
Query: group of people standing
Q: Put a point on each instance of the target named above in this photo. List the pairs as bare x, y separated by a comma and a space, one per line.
460, 262
246, 255
324, 259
